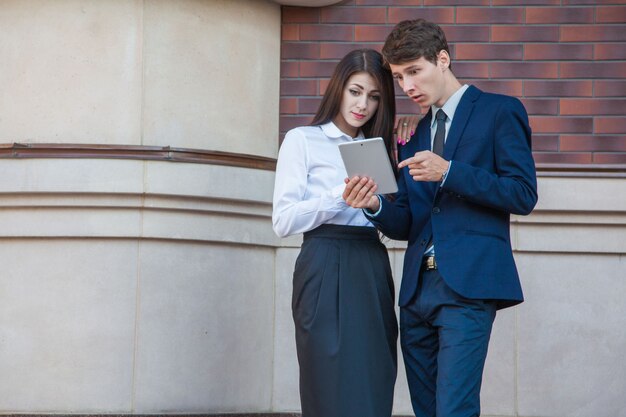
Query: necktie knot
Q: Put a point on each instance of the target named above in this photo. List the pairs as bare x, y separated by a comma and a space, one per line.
441, 115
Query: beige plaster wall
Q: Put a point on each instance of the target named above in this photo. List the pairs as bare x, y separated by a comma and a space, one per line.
135, 287
211, 75
187, 73
71, 71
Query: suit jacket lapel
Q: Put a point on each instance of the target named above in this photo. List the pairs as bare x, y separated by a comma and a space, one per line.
420, 142
461, 116
423, 132
425, 144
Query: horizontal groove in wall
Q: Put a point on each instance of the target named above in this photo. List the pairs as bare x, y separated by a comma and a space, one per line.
573, 170
134, 216
198, 156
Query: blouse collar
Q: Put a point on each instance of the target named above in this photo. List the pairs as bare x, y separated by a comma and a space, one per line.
332, 131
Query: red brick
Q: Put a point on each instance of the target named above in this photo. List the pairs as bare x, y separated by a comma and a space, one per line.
593, 2
299, 50
538, 107
289, 69
593, 69
364, 33
609, 88
322, 87
288, 105
610, 14
440, 15
300, 14
353, 15
494, 15
524, 33
526, 2
593, 33
610, 125
524, 70
298, 87
317, 69
456, 2
545, 142
488, 51
543, 15
542, 124
332, 50
592, 106
593, 143
406, 106
558, 88
557, 51
466, 33
452, 47
309, 105
508, 87
389, 2
562, 158
290, 32
610, 51
609, 158
289, 122
471, 69
326, 32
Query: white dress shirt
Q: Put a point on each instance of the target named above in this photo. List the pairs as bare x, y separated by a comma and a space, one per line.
310, 182
449, 108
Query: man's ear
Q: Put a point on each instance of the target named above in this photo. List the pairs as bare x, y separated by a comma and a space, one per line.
443, 60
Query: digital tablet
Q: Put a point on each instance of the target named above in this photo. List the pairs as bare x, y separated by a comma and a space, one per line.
368, 158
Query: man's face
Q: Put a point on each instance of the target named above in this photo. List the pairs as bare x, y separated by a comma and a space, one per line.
422, 80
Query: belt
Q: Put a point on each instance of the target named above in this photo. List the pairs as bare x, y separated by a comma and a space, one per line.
429, 263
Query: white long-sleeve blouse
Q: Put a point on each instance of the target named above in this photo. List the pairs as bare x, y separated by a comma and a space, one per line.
310, 182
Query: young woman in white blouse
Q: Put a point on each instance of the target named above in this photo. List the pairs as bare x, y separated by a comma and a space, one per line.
343, 293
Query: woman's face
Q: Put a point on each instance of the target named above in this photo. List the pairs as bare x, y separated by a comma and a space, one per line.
359, 103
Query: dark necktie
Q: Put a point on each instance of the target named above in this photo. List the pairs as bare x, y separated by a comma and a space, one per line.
440, 134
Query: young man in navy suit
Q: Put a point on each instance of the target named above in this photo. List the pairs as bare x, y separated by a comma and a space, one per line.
466, 169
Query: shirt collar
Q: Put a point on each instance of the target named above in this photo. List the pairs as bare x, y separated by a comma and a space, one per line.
332, 131
449, 107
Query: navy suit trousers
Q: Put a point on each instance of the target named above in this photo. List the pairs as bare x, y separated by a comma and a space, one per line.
444, 339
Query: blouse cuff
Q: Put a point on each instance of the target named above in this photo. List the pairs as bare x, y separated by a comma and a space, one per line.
337, 195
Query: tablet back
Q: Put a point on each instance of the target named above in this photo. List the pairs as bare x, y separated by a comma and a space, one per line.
368, 158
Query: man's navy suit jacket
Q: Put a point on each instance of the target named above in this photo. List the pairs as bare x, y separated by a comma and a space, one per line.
492, 175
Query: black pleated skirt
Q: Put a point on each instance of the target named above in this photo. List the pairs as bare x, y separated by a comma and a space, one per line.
346, 328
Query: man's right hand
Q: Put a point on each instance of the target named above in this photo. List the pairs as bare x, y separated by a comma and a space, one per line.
359, 193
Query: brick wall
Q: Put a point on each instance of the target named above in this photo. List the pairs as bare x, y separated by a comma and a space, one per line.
565, 59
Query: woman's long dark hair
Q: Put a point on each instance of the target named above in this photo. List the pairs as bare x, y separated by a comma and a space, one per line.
381, 124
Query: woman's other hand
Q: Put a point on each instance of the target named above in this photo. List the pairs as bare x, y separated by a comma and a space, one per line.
404, 128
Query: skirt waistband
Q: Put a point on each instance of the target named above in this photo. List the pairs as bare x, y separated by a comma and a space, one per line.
336, 231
